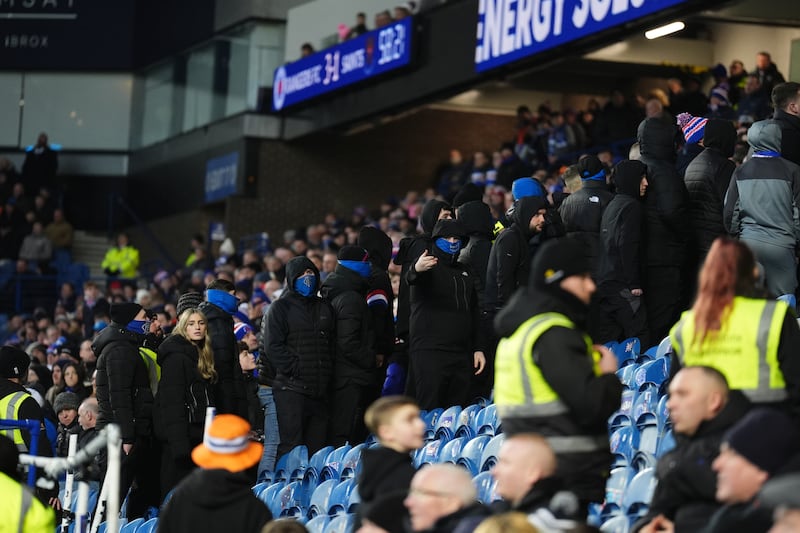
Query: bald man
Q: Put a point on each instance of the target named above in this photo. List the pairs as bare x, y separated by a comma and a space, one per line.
702, 409
525, 472
442, 498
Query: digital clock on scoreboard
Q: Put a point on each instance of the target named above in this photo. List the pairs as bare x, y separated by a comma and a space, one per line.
364, 57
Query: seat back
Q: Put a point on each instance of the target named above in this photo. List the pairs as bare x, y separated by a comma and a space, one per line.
132, 526
318, 524
640, 491
451, 451
486, 422
341, 524
466, 421
428, 454
333, 464
351, 464
339, 501
447, 423
320, 499
472, 452
491, 452
486, 485
291, 501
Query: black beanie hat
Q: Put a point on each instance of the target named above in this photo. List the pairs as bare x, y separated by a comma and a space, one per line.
468, 193
767, 438
66, 400
557, 260
353, 253
188, 301
589, 166
13, 363
124, 312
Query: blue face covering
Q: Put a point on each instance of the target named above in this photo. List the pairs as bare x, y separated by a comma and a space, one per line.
448, 247
360, 267
305, 285
142, 327
224, 300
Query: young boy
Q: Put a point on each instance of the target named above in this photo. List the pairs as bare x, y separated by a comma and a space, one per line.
395, 421
66, 408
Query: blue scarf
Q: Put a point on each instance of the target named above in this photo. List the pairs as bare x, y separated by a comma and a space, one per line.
359, 267
142, 327
766, 153
225, 301
448, 247
305, 285
600, 176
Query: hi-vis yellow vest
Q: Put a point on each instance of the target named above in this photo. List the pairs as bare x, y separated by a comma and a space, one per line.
20, 511
520, 390
9, 410
745, 350
150, 359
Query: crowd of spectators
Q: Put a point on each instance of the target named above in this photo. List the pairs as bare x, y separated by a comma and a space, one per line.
299, 338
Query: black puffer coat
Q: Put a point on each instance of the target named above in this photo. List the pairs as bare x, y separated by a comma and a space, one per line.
123, 383
298, 338
229, 390
182, 398
707, 178
581, 213
380, 297
667, 200
354, 362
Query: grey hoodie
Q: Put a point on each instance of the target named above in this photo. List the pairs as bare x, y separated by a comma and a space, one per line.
764, 194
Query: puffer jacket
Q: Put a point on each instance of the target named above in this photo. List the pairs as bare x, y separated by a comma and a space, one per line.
299, 334
764, 194
582, 212
123, 383
229, 390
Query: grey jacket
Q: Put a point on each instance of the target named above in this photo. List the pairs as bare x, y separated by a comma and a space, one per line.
764, 194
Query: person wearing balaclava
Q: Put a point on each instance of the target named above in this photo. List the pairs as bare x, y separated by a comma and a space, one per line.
446, 340
219, 307
355, 362
295, 366
564, 388
124, 398
619, 299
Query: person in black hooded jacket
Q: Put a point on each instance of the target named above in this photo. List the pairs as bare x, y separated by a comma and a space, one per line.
582, 210
296, 363
354, 361
666, 227
446, 341
124, 398
510, 258
185, 390
621, 314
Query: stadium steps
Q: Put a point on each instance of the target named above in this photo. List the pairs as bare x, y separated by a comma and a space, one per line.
90, 248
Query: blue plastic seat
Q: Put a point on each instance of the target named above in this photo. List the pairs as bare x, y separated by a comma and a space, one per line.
639, 493
291, 465
653, 372
428, 454
491, 452
447, 424
354, 500
132, 526
662, 412
623, 416
451, 451
318, 523
149, 526
268, 495
351, 464
102, 527
315, 466
431, 418
486, 422
344, 523
320, 498
664, 348
291, 501
627, 351
616, 484
339, 501
616, 524
486, 485
333, 463
626, 376
623, 444
466, 421
665, 443
258, 487
472, 452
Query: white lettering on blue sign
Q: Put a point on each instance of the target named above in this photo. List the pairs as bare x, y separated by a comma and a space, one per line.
513, 29
222, 177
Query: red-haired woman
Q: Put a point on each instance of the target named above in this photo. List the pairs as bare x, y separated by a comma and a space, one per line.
754, 342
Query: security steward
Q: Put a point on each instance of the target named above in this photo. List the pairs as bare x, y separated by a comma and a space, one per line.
549, 377
15, 401
20, 510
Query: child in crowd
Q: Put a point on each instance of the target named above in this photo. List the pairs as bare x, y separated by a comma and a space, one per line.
66, 408
388, 468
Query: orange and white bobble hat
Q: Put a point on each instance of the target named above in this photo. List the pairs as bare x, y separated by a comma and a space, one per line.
227, 446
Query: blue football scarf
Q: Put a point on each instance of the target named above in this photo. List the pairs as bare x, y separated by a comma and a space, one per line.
600, 176
766, 153
448, 247
305, 285
359, 267
142, 327
222, 299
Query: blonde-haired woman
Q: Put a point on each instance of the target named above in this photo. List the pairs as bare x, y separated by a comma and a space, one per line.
184, 392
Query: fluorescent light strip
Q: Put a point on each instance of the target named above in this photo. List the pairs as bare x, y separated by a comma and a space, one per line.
661, 31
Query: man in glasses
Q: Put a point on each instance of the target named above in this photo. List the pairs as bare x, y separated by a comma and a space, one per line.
442, 498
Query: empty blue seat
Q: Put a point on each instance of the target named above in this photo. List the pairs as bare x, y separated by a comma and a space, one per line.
653, 372
665, 443
643, 460
472, 452
486, 485
149, 526
318, 523
102, 527
466, 421
663, 414
627, 351
132, 526
320, 499
333, 463
355, 499
428, 454
291, 501
351, 464
339, 501
258, 487
623, 416
431, 418
491, 452
626, 376
664, 348
344, 523
291, 465
486, 422
616, 524
447, 424
616, 484
315, 466
451, 451
268, 495
639, 493
623, 444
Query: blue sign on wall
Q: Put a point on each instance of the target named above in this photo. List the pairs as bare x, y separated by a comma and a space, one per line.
361, 58
512, 29
222, 177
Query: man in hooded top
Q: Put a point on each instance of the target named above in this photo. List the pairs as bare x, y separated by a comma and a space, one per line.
446, 341
621, 313
761, 207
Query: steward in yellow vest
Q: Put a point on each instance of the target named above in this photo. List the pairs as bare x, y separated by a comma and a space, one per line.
752, 341
20, 510
549, 378
15, 402
121, 260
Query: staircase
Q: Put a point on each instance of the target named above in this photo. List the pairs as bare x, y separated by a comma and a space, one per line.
90, 248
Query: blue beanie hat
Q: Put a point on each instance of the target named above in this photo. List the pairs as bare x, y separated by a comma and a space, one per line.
525, 187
